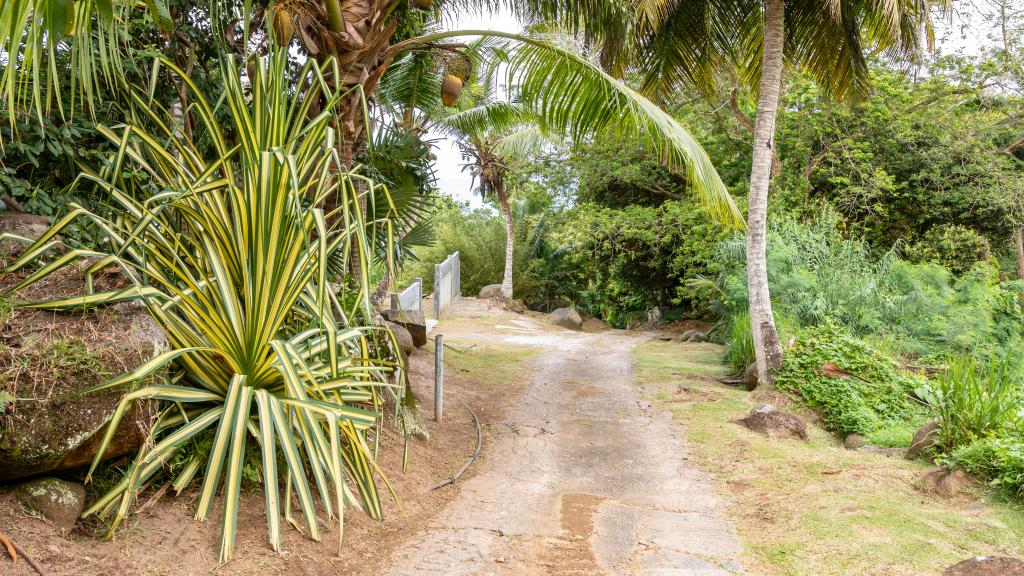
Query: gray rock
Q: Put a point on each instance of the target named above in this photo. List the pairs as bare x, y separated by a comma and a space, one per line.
750, 376
653, 316
693, 336
775, 423
516, 306
490, 292
21, 224
924, 441
58, 501
987, 566
945, 481
853, 442
402, 336
567, 318
411, 320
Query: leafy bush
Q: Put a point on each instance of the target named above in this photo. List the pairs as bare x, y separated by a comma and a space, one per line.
955, 247
618, 263
819, 276
854, 386
999, 459
973, 399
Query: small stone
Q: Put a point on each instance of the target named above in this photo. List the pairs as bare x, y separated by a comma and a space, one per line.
58, 501
775, 423
750, 376
500, 559
853, 441
693, 336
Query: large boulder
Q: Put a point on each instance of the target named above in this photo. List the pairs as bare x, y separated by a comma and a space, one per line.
402, 336
567, 318
490, 292
48, 427
58, 501
987, 566
21, 224
773, 423
411, 320
924, 441
516, 306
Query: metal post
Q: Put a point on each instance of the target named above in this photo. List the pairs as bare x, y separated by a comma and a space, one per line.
438, 377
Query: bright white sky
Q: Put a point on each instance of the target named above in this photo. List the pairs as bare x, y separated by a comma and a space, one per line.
966, 32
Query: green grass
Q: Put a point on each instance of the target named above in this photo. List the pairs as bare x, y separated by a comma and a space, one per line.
493, 364
814, 508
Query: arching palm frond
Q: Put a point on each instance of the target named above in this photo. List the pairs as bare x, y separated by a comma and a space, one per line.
487, 117
572, 96
522, 143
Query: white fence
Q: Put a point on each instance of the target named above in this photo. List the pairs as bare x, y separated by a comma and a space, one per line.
410, 298
447, 283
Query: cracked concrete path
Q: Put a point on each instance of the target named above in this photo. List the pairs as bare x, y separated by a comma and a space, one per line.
586, 479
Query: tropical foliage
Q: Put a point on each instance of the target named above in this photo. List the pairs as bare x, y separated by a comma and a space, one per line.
227, 247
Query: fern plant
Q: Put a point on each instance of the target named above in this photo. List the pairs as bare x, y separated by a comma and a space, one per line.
229, 251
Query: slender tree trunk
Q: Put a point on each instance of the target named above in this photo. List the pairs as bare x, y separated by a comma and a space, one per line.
506, 212
1018, 243
767, 348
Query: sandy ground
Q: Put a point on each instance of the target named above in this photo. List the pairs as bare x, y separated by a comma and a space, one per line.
586, 477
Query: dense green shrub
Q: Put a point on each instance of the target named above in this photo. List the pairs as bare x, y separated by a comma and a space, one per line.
999, 459
618, 263
973, 399
955, 247
873, 394
817, 275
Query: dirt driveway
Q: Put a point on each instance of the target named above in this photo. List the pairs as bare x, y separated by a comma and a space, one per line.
583, 477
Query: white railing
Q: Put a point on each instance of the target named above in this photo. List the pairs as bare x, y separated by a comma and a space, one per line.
410, 298
447, 283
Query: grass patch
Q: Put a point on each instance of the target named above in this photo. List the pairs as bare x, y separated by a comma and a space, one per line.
815, 508
492, 364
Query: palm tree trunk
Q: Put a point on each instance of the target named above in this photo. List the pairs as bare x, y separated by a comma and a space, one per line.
1018, 243
767, 348
506, 213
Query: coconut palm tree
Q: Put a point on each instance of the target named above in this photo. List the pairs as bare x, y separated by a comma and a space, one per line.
495, 138
667, 43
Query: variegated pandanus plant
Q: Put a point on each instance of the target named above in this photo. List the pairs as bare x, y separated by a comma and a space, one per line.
227, 246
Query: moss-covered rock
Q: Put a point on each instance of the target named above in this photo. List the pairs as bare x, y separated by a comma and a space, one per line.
58, 501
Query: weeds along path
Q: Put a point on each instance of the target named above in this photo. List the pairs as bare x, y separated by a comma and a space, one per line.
582, 478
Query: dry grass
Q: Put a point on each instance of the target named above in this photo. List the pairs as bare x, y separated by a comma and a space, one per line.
815, 508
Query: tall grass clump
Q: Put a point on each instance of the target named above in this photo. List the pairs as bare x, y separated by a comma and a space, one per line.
227, 245
739, 352
973, 399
